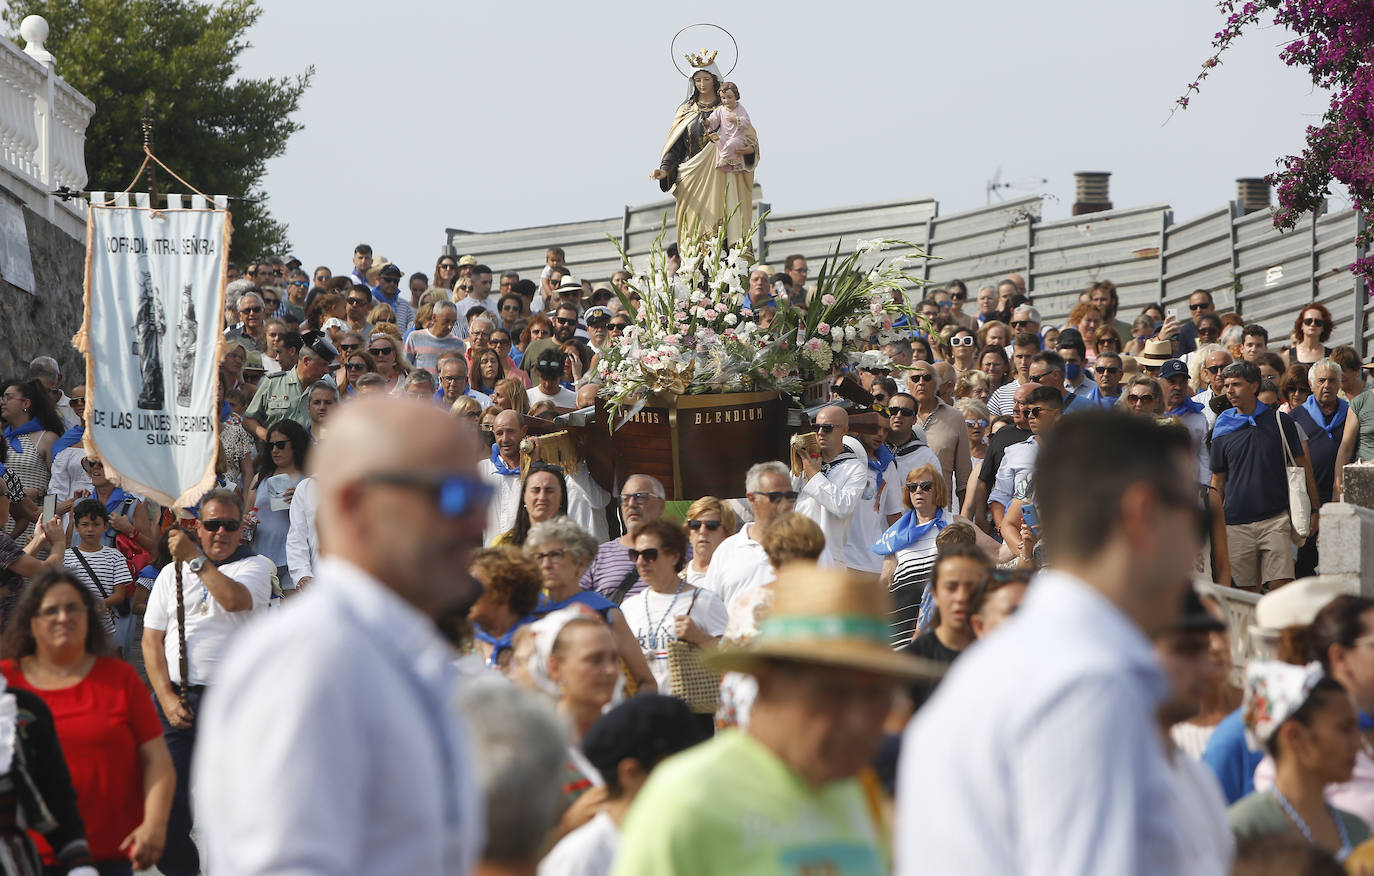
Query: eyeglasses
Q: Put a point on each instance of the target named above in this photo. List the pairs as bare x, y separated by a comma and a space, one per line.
282, 445
510, 308
1198, 306
920, 486
1037, 411
711, 525
380, 351
215, 525
77, 400
356, 366
1146, 397
1318, 321
453, 378
1107, 369
922, 376
958, 296
301, 283
563, 320
826, 428
1020, 323
1207, 330
775, 496
257, 308
635, 498
962, 340
349, 348
52, 612
455, 495
1040, 378
448, 267
552, 556
272, 303
901, 412
501, 342
648, 555
359, 302
1215, 369
89, 464
976, 424
619, 326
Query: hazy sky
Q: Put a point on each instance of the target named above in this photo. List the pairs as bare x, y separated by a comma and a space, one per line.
486, 116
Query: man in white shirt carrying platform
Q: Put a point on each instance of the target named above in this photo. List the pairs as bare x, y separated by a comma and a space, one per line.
222, 584
331, 744
1040, 753
831, 486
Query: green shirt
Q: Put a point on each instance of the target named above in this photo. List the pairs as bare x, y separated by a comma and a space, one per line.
1259, 814
731, 806
280, 395
1363, 407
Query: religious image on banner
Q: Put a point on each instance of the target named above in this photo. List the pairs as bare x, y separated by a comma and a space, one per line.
153, 322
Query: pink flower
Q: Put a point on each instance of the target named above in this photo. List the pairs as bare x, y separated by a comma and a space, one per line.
827, 299
815, 344
710, 314
823, 328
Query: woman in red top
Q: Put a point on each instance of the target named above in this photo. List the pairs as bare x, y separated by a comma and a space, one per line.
106, 723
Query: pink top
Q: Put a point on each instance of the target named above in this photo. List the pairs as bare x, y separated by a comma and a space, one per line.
732, 126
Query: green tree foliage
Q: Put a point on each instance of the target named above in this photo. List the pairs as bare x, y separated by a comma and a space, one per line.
176, 61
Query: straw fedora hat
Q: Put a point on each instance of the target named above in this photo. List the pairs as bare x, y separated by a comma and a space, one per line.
830, 618
1156, 353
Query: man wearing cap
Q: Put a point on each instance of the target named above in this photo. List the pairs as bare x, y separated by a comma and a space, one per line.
1173, 376
1249, 462
388, 292
1042, 743
284, 394
1185, 653
831, 485
598, 319
784, 796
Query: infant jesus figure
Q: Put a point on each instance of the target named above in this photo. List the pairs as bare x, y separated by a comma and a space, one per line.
732, 125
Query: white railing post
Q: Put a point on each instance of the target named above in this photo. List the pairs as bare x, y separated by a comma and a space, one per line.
34, 30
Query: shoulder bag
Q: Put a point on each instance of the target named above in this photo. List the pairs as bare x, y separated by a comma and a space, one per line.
1299, 503
689, 679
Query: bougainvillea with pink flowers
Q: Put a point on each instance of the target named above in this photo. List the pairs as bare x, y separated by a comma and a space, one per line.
1335, 42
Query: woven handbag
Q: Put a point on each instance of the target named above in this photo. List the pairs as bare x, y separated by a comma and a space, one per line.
688, 677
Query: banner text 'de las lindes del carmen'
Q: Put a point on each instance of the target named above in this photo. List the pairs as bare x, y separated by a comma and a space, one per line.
153, 319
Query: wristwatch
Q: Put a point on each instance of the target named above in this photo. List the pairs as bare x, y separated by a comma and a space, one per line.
197, 564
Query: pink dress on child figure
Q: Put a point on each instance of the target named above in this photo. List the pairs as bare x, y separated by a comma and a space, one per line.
731, 125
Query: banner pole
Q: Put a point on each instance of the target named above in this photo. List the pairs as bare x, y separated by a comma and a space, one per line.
182, 663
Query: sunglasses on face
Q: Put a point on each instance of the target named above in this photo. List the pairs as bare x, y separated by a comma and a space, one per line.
826, 428
356, 366
215, 525
1146, 398
349, 348
775, 496
922, 376
1039, 378
1320, 322
1020, 323
282, 445
648, 555
447, 267
711, 525
1209, 330
961, 341
619, 326
501, 342
920, 486
257, 308
976, 424
1198, 306
899, 411
1107, 369
635, 498
1037, 411
1215, 369
380, 351
958, 296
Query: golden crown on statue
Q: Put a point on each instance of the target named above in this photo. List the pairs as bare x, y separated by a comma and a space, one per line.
701, 57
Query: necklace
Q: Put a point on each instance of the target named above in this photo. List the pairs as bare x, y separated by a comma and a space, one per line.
1301, 825
654, 627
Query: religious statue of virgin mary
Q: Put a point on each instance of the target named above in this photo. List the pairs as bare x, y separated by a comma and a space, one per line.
707, 195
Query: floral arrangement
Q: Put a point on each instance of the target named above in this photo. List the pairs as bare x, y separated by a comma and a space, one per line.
693, 334
1333, 41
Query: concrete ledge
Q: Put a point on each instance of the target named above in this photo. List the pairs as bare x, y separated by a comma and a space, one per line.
1345, 539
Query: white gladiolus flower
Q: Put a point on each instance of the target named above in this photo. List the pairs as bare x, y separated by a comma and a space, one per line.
731, 319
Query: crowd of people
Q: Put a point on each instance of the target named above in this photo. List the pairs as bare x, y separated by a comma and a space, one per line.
961, 630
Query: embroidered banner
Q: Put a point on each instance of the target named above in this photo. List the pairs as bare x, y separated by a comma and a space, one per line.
154, 316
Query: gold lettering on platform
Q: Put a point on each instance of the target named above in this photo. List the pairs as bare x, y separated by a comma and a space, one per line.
728, 415
649, 417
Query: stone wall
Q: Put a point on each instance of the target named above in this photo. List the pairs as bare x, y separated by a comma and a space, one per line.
43, 324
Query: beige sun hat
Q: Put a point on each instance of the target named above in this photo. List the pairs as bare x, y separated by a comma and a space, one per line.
830, 618
1156, 353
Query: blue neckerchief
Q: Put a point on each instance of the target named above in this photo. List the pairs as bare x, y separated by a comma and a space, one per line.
116, 497
1366, 722
224, 411
906, 532
1232, 420
503, 643
1188, 407
1312, 408
70, 438
880, 460
1107, 401
501, 467
12, 434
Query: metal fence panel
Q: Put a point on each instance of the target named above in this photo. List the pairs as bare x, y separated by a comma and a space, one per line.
982, 246
586, 249
1273, 273
814, 233
1069, 255
1197, 255
1333, 252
